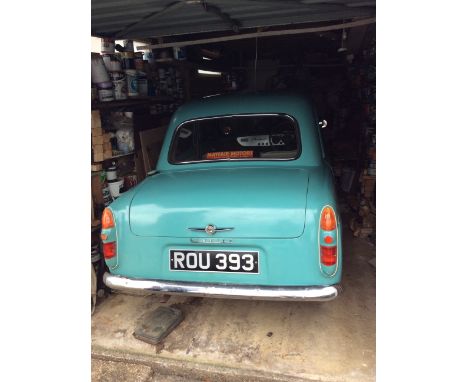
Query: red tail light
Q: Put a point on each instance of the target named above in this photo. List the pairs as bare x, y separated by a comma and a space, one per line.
109, 249
328, 240
328, 255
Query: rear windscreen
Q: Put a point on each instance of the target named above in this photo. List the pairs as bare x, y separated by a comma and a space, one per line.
243, 137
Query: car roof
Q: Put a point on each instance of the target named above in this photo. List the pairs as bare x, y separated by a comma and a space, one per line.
244, 103
295, 105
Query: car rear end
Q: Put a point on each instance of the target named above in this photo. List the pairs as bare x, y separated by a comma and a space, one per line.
305, 267
248, 211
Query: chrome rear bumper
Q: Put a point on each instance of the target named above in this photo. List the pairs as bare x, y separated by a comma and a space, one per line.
248, 292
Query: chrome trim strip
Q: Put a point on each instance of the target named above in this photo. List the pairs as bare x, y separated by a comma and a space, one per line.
216, 229
247, 292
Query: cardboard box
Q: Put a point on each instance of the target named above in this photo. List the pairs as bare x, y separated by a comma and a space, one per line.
95, 119
98, 149
99, 140
97, 131
107, 146
107, 154
96, 188
98, 157
96, 167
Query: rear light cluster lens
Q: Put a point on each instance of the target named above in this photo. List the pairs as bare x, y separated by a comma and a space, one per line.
328, 237
328, 220
107, 219
109, 249
328, 255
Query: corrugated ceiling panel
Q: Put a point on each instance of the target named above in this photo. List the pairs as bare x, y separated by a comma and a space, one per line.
109, 17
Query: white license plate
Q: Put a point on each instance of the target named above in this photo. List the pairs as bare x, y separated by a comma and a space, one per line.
214, 261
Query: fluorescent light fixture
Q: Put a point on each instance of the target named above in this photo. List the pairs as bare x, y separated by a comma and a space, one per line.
206, 58
208, 73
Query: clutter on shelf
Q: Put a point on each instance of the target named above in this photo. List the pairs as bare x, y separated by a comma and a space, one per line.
352, 139
100, 140
119, 73
363, 225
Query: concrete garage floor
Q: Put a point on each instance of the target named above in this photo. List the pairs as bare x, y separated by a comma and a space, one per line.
234, 340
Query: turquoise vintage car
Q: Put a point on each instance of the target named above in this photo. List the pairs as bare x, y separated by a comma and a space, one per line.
241, 205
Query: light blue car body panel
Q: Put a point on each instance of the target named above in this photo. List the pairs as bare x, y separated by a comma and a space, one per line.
274, 206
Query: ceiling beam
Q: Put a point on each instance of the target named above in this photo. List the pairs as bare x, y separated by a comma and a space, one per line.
351, 24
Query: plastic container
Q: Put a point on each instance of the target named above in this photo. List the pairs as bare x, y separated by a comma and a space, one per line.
125, 138
105, 91
107, 45
119, 82
98, 70
128, 60
111, 63
114, 187
128, 46
139, 63
115, 66
142, 84
149, 56
132, 83
111, 173
180, 53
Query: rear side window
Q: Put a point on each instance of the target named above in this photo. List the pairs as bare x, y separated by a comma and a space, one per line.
240, 137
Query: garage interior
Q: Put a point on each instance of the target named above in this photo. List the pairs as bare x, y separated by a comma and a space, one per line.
185, 50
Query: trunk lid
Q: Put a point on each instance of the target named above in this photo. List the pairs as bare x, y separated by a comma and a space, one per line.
267, 202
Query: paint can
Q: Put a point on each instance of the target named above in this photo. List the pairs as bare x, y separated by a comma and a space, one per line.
142, 84
114, 187
119, 83
132, 82
105, 91
128, 60
107, 59
111, 173
128, 46
180, 53
98, 70
149, 56
130, 181
95, 255
111, 63
164, 54
107, 45
115, 65
139, 64
106, 196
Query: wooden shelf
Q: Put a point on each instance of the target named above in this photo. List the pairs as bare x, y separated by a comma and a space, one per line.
119, 156
131, 103
173, 62
110, 158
